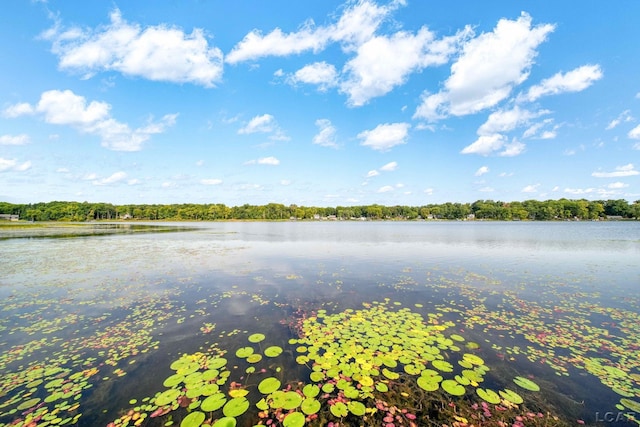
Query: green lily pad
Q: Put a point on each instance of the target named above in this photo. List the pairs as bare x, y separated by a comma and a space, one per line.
631, 404
256, 338
382, 387
273, 351
442, 365
339, 409
213, 402
427, 383
225, 422
28, 403
194, 419
291, 400
526, 384
310, 405
294, 419
511, 396
316, 376
311, 390
269, 385
167, 397
473, 359
356, 408
254, 358
452, 387
217, 363
173, 380
244, 352
235, 407
488, 395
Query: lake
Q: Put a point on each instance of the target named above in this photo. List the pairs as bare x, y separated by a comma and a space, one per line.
323, 323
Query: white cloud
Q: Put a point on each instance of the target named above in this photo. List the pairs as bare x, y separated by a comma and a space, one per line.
617, 185
513, 149
485, 144
67, 108
384, 137
531, 188
572, 81
486, 190
264, 123
620, 171
13, 165
285, 182
326, 136
319, 73
389, 167
269, 161
212, 181
624, 117
482, 170
507, 120
159, 53
16, 110
21, 139
428, 191
133, 181
384, 62
372, 173
357, 24
62, 170
114, 178
487, 70
385, 189
634, 133
579, 191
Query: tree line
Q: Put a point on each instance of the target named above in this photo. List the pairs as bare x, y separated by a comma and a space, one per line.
549, 210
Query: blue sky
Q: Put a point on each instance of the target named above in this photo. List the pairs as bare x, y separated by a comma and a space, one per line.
321, 103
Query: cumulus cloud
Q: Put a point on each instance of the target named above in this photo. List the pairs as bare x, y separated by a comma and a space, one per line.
159, 53
385, 136
531, 188
634, 133
389, 167
272, 161
21, 139
326, 135
265, 123
67, 108
319, 73
624, 117
112, 179
617, 185
485, 144
572, 81
14, 165
620, 171
372, 173
16, 110
508, 120
385, 189
384, 62
487, 70
212, 181
357, 23
482, 170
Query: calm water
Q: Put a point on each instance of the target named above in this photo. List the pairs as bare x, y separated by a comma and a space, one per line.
90, 324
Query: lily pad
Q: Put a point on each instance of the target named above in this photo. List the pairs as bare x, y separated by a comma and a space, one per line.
273, 351
427, 383
442, 365
294, 419
194, 419
291, 400
488, 395
269, 385
254, 358
311, 390
213, 402
339, 409
167, 397
256, 338
452, 387
631, 404
511, 396
225, 422
526, 384
244, 352
310, 406
356, 408
235, 407
28, 403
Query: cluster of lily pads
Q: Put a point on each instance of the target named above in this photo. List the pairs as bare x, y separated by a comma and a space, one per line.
368, 366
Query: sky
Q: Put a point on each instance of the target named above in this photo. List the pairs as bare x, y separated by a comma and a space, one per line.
318, 103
